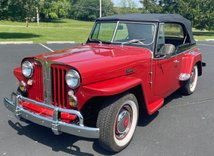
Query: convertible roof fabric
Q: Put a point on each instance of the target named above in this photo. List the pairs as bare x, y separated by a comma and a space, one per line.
171, 18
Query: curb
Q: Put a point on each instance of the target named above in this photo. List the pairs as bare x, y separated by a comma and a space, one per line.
31, 42
209, 39
60, 42
16, 42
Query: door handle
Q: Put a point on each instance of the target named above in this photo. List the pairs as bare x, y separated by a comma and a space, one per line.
176, 61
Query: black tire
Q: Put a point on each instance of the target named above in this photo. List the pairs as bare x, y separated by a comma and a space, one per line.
117, 121
190, 85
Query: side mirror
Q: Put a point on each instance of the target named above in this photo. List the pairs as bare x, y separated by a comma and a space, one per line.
167, 50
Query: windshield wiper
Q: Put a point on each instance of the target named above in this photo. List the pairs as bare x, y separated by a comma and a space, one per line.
100, 41
134, 41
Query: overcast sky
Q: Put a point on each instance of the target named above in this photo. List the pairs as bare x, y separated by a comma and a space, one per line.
117, 2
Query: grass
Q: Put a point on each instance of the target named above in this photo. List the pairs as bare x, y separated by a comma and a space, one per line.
202, 35
60, 30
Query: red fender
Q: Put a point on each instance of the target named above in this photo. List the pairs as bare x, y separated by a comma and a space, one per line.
18, 74
112, 86
189, 60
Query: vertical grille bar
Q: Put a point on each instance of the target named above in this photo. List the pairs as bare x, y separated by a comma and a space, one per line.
36, 90
59, 92
59, 87
54, 86
63, 88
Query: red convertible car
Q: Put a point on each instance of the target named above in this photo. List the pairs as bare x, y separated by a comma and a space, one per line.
96, 89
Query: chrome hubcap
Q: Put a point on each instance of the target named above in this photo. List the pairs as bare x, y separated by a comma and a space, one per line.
123, 122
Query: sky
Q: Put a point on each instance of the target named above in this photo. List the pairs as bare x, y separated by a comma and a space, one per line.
117, 2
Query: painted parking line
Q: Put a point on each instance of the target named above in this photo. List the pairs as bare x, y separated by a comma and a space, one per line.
51, 50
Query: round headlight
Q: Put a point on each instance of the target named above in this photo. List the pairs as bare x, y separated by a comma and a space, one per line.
72, 79
27, 69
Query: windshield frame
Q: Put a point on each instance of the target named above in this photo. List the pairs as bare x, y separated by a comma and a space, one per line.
155, 24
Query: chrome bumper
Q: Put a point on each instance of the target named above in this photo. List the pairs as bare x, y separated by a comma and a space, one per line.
54, 123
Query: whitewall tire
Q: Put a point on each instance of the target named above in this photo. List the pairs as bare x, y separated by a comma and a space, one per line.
117, 121
190, 85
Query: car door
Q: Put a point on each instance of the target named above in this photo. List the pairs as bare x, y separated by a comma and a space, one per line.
166, 68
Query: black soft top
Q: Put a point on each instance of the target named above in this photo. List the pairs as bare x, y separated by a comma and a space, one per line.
172, 18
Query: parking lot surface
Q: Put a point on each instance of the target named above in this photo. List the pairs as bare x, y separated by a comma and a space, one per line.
183, 126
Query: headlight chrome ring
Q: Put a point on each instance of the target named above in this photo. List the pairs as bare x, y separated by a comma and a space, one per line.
27, 69
72, 79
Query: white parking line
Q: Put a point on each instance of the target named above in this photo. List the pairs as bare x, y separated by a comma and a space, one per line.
46, 47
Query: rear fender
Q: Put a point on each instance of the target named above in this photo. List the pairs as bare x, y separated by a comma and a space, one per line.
188, 62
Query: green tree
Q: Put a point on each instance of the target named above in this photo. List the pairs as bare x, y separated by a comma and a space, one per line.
53, 9
18, 9
89, 9
201, 13
151, 6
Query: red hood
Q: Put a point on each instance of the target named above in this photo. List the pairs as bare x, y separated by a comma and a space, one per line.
100, 62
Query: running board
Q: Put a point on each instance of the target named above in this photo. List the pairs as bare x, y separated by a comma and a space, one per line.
154, 106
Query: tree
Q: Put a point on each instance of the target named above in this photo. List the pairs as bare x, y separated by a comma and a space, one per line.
53, 9
127, 7
151, 6
18, 9
201, 13
89, 9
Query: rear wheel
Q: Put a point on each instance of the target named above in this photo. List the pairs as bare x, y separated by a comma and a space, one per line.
190, 85
117, 121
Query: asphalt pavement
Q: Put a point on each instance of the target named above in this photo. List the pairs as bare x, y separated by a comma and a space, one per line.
184, 126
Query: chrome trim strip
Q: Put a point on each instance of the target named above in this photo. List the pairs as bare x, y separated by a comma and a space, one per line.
184, 77
54, 123
46, 74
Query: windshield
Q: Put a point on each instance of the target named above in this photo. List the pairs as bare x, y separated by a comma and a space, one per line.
124, 32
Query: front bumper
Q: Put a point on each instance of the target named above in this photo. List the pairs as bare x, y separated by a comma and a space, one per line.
57, 126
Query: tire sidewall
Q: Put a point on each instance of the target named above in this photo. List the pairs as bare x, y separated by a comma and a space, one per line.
193, 87
107, 125
128, 137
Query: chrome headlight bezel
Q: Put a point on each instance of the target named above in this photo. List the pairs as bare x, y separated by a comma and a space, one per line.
72, 79
27, 69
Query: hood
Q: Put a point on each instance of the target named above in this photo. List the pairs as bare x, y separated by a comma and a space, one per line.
98, 62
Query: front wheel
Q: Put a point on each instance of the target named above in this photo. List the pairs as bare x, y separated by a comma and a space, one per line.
117, 121
190, 85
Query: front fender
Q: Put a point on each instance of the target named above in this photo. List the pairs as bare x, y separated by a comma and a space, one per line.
112, 86
18, 74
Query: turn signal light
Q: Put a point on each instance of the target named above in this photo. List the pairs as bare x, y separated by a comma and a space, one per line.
72, 99
22, 86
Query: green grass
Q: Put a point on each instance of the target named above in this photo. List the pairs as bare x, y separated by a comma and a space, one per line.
60, 30
202, 35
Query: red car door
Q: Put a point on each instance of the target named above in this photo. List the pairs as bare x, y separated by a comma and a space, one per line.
166, 76
167, 68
